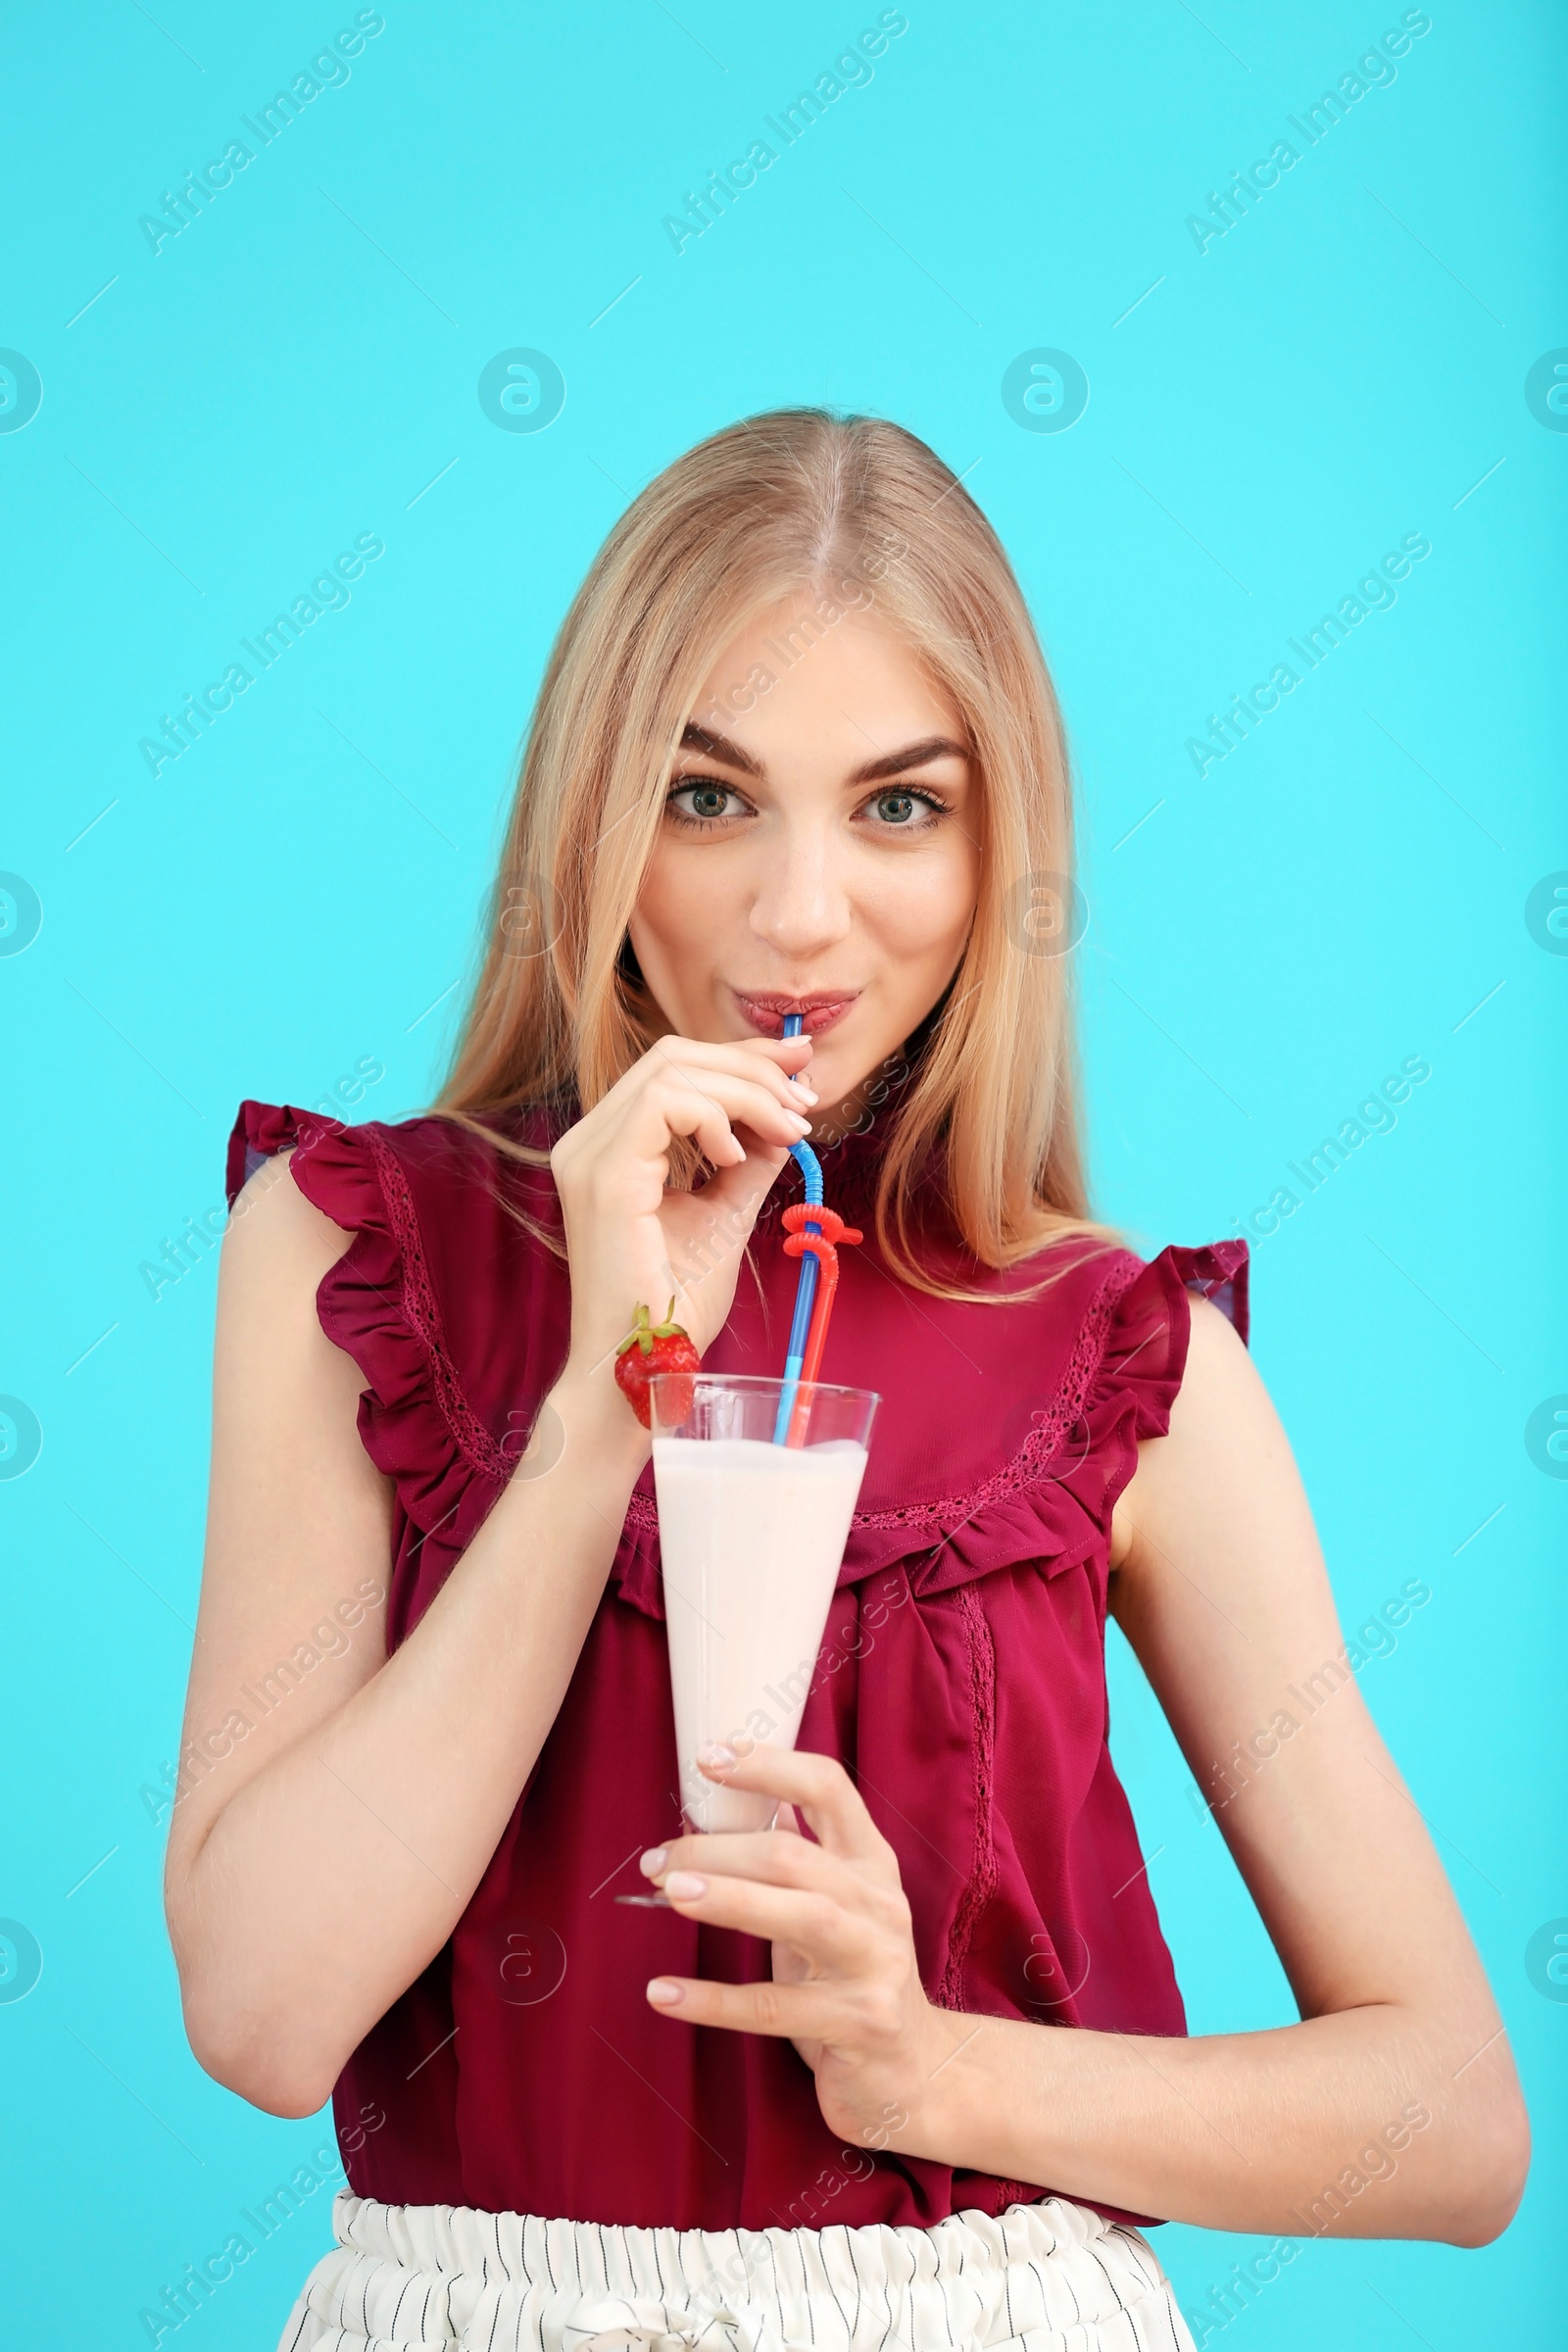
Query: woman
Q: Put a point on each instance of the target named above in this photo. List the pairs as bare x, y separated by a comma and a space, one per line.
796, 750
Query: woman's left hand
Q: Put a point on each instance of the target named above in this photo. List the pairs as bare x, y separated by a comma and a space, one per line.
846, 1984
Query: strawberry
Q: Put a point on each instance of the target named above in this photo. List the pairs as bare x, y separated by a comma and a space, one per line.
648, 1350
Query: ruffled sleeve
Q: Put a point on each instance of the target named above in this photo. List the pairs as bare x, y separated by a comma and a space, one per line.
376, 1304
1141, 1368
1054, 1501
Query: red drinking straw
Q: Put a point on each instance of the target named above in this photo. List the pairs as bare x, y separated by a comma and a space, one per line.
812, 1230
831, 1229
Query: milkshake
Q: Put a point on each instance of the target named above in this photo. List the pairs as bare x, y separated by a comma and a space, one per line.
752, 1534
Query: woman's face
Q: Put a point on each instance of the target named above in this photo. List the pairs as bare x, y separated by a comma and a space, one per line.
819, 849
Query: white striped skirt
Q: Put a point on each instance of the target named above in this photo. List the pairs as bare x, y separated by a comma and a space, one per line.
1047, 2277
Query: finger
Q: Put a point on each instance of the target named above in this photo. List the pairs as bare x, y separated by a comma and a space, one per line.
637, 1138
771, 1057
789, 1861
672, 1109
799, 2012
834, 1938
765, 1061
718, 1100
782, 1052
787, 1081
731, 1197
818, 1787
669, 1106
738, 1090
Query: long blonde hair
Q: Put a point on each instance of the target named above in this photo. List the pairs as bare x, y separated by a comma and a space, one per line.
796, 500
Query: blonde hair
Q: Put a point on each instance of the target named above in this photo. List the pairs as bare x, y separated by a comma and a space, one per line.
796, 500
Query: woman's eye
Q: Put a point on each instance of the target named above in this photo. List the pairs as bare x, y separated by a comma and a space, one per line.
708, 802
907, 811
894, 808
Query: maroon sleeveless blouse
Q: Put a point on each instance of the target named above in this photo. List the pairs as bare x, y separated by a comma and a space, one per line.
962, 1681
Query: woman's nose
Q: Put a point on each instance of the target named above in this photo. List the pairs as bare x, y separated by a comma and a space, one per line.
801, 903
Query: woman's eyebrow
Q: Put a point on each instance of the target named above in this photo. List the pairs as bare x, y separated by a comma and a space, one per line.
914, 754
695, 738
719, 747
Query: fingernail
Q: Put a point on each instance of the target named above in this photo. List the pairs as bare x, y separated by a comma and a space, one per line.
653, 1862
801, 1120
664, 1990
717, 1755
684, 1886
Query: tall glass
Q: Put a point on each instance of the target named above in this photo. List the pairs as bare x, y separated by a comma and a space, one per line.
752, 1537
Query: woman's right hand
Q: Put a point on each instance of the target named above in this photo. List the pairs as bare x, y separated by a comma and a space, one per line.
629, 1240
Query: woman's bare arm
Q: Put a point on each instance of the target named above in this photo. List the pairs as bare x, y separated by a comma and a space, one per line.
1390, 2111
319, 1862
336, 1816
1399, 2078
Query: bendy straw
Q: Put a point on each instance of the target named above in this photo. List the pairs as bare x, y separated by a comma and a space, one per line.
806, 1287
814, 1230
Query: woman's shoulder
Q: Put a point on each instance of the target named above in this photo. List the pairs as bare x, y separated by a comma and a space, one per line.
451, 1294
456, 1220
1128, 1317
446, 1158
1096, 1264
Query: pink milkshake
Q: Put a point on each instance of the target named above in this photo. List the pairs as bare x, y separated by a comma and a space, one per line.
752, 1536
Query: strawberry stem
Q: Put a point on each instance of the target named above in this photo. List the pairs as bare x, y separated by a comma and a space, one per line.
644, 1332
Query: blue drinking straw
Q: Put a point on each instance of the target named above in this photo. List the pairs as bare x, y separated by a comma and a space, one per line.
805, 1286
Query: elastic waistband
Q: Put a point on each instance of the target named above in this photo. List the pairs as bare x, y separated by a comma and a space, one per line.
1047, 2277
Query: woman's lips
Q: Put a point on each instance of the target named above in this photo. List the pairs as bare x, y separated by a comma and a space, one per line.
818, 1013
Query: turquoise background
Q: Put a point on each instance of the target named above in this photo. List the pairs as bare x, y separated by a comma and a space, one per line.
298, 893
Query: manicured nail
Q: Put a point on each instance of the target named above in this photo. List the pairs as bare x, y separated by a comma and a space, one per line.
718, 1755
664, 1990
653, 1862
684, 1886
801, 1120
